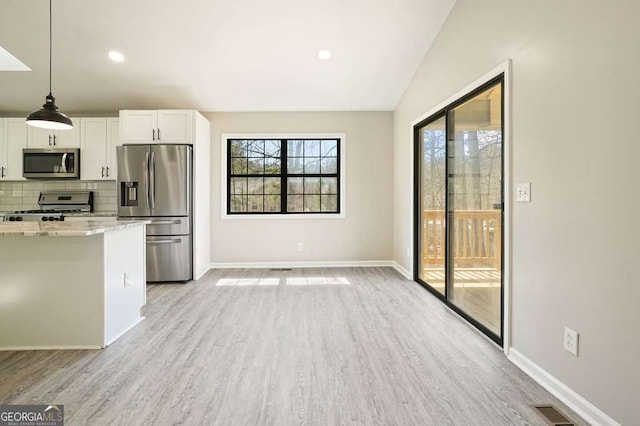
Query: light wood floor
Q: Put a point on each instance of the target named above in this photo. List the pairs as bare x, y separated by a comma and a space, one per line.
309, 346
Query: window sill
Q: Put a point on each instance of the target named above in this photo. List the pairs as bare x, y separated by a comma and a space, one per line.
291, 216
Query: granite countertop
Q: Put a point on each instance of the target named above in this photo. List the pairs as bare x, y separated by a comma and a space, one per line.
65, 229
92, 214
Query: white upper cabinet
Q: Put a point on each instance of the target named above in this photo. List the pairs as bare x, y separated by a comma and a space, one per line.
175, 126
156, 126
97, 150
113, 140
13, 138
138, 126
46, 138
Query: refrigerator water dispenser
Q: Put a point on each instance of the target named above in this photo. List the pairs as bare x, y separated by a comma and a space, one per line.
129, 193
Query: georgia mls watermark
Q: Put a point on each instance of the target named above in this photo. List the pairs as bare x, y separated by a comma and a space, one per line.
31, 415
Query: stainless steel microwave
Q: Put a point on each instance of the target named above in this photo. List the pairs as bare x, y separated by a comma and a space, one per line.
51, 163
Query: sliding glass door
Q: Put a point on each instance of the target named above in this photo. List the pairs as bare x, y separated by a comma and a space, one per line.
459, 206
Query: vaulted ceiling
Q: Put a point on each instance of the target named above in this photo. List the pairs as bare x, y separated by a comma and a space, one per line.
216, 55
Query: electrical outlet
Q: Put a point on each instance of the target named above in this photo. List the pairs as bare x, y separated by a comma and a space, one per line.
127, 281
571, 341
523, 192
301, 246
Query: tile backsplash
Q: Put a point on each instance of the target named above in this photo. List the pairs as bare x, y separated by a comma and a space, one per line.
23, 195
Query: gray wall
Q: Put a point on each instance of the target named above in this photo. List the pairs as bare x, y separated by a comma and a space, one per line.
366, 232
576, 75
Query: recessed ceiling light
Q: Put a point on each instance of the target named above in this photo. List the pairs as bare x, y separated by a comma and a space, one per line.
116, 56
324, 54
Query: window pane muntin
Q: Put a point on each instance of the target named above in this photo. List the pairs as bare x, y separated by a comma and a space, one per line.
329, 165
295, 148
255, 185
329, 148
255, 148
312, 185
238, 166
272, 166
272, 186
311, 148
295, 185
329, 203
295, 165
272, 203
238, 148
295, 203
255, 203
272, 148
329, 185
238, 186
255, 166
312, 203
238, 203
311, 165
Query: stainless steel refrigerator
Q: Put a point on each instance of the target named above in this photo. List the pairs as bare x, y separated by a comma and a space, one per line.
155, 183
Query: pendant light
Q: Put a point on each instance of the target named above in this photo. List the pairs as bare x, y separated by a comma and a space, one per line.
49, 117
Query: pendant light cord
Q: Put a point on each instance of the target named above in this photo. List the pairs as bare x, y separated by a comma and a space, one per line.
50, 46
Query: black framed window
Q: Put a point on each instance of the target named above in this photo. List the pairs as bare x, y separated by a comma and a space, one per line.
283, 176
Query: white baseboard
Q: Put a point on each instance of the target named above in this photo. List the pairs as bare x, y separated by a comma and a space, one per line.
124, 331
48, 348
320, 264
564, 393
405, 272
199, 274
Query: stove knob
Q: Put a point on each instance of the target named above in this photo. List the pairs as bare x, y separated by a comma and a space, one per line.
45, 218
61, 218
12, 219
19, 218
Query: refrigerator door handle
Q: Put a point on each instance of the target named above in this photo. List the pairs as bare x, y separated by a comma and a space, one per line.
152, 180
171, 241
147, 180
165, 222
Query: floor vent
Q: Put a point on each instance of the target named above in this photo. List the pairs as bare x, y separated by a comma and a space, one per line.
552, 415
280, 269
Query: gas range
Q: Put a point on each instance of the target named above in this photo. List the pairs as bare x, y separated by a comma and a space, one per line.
34, 215
54, 205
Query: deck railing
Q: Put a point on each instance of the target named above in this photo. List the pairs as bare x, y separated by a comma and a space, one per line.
476, 240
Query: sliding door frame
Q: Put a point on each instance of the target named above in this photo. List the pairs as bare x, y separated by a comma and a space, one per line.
503, 73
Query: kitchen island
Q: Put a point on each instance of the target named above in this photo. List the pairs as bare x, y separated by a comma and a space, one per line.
70, 285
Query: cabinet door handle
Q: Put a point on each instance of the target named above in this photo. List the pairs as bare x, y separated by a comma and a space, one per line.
154, 134
49, 140
158, 134
102, 171
107, 171
54, 140
2, 171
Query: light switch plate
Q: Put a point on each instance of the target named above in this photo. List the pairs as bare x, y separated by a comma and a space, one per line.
523, 192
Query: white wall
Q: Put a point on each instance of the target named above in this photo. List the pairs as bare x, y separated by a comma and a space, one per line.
576, 81
366, 232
